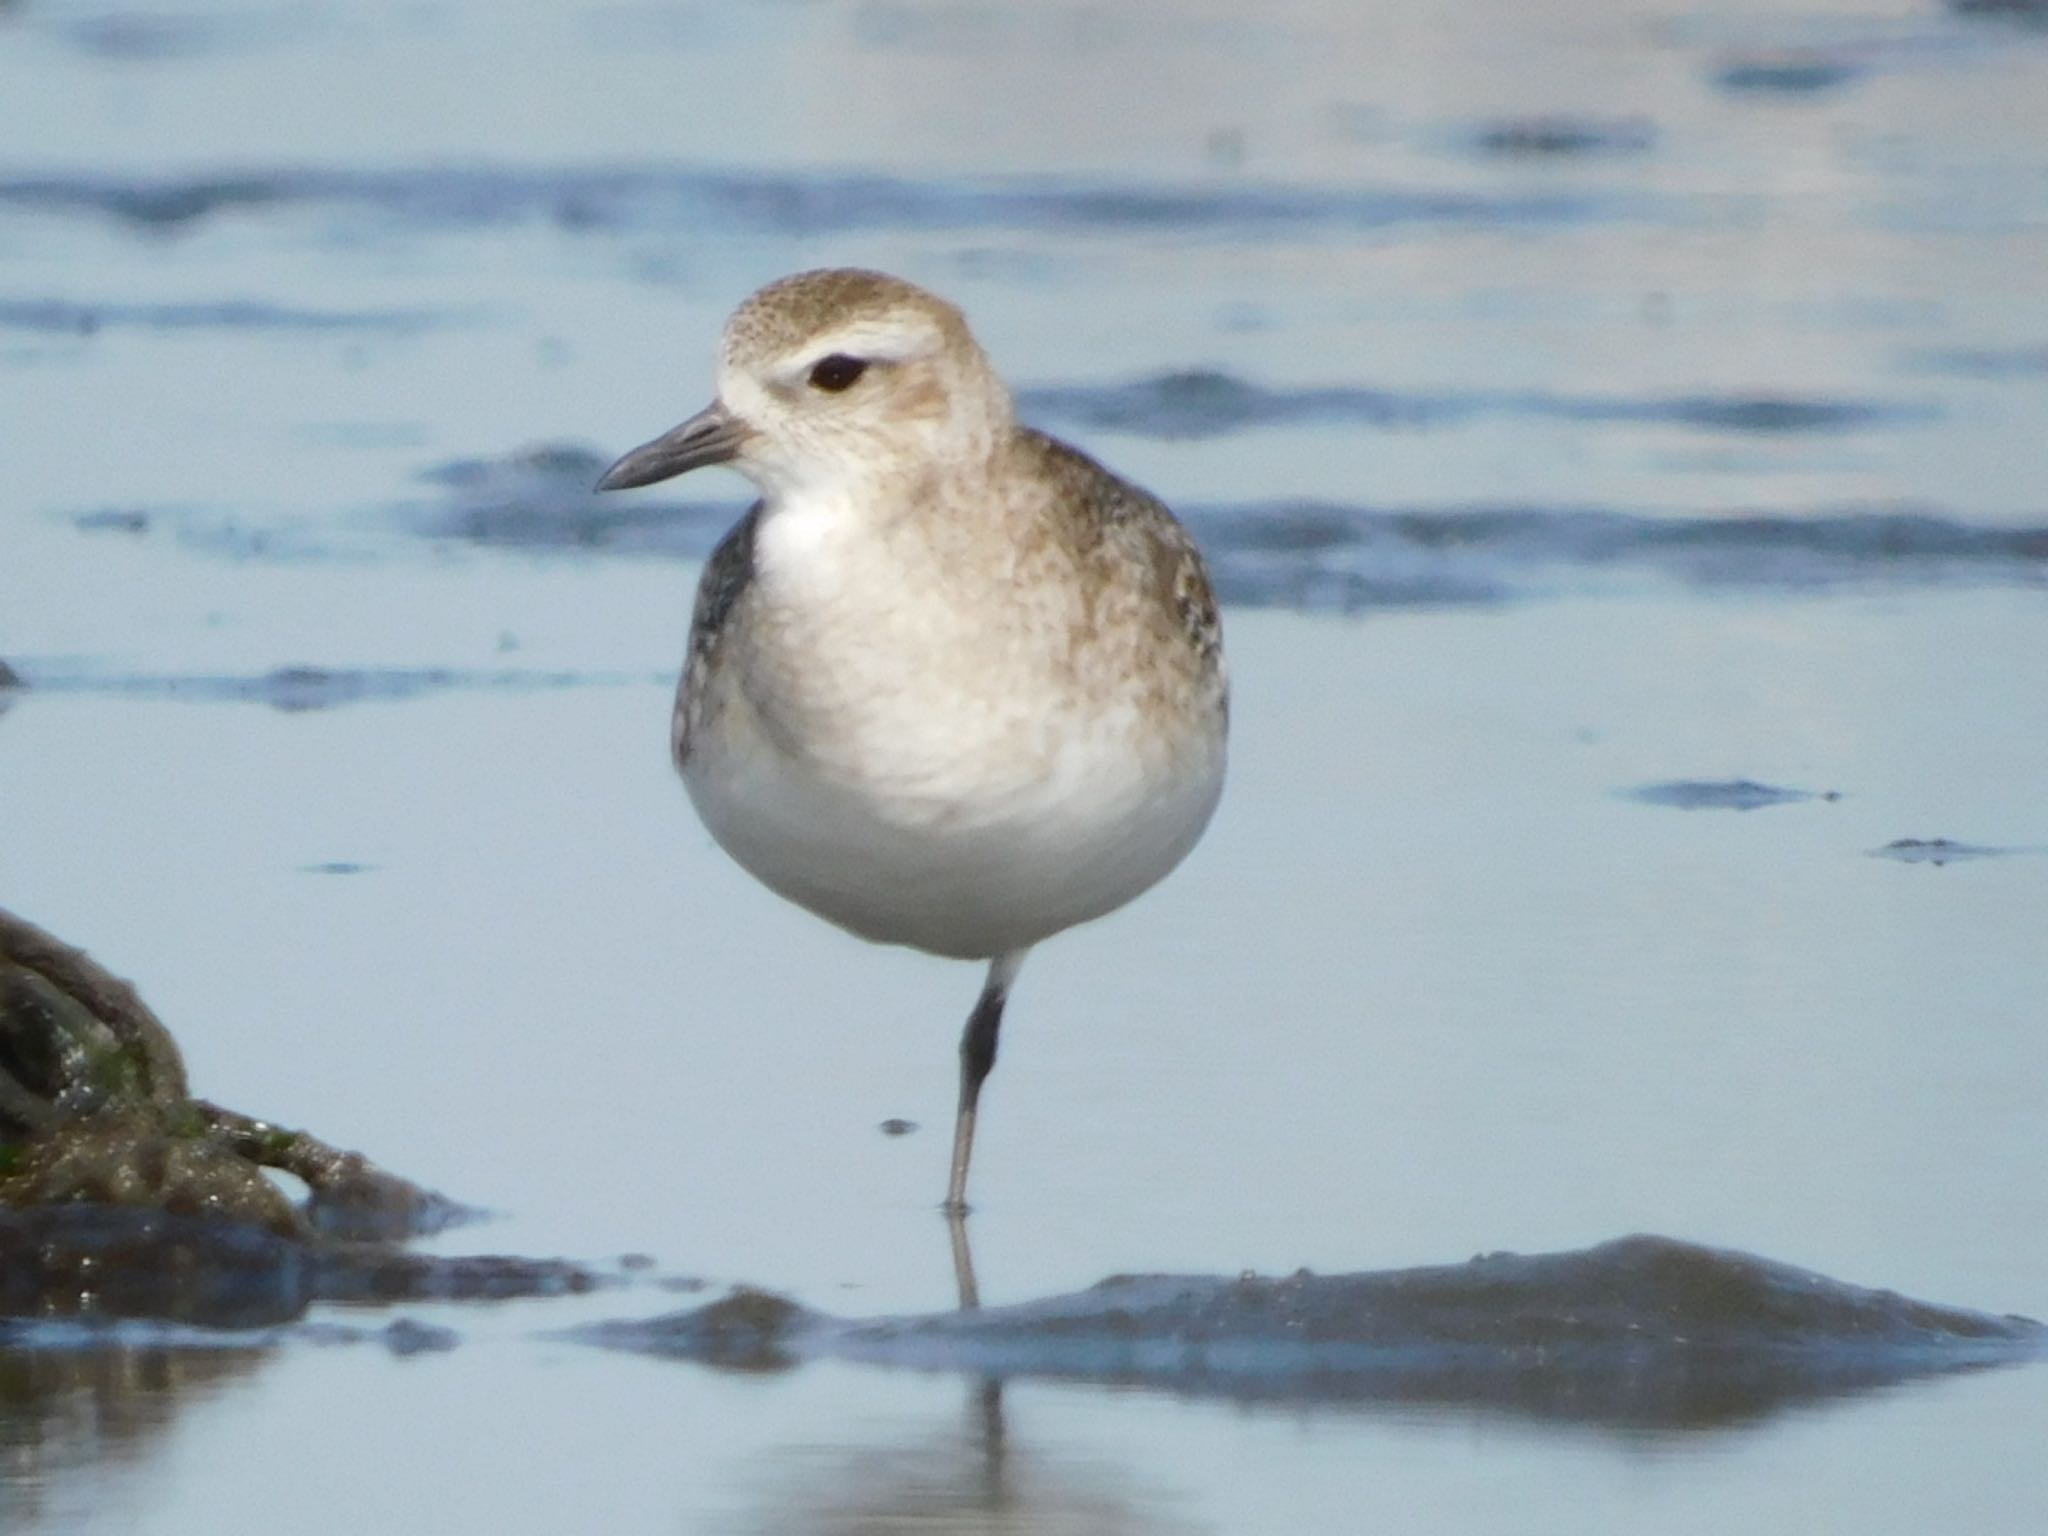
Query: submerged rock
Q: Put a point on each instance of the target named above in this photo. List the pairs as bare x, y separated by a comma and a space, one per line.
1640, 1331
746, 1329
101, 1263
104, 1262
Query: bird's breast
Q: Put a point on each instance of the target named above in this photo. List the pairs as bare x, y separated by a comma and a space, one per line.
915, 667
934, 752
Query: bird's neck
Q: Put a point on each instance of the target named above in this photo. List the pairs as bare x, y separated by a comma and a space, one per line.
945, 525
893, 495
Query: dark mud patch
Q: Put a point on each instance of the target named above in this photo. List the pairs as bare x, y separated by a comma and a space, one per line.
1562, 137
67, 318
1722, 794
1325, 556
161, 37
1204, 403
543, 470
404, 1337
369, 1273
1937, 851
1791, 73
2026, 13
747, 1329
1984, 364
1642, 1332
545, 497
689, 200
297, 690
127, 520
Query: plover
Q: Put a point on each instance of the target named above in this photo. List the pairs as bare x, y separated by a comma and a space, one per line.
951, 684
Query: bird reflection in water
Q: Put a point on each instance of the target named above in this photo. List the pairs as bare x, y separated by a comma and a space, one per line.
972, 1479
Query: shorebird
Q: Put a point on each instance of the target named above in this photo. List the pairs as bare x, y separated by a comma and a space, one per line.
951, 684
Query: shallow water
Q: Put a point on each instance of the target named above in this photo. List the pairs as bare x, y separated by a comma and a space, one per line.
1616, 432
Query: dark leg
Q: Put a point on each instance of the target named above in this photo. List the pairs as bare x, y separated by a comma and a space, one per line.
977, 1058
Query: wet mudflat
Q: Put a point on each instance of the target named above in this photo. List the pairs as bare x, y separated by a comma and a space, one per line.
1601, 422
1529, 942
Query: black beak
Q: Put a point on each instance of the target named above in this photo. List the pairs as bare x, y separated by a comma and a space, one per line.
712, 436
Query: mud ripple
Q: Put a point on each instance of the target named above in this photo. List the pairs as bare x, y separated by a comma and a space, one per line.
71, 318
1204, 403
299, 689
669, 199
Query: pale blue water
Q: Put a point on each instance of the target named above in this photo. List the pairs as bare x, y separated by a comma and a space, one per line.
1574, 400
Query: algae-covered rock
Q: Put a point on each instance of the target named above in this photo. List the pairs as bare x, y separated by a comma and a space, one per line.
95, 1112
73, 1039
129, 1157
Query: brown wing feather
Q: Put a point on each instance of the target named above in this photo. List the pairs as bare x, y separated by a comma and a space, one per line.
727, 574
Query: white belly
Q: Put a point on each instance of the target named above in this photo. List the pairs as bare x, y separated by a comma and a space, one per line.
898, 737
967, 857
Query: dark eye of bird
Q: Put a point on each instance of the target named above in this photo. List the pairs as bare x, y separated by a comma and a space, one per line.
837, 372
